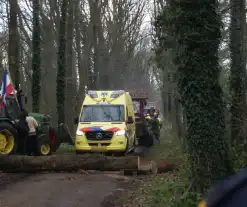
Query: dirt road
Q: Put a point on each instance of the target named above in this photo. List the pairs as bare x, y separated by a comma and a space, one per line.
64, 190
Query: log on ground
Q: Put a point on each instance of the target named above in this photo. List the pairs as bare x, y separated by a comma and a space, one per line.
164, 167
146, 167
67, 163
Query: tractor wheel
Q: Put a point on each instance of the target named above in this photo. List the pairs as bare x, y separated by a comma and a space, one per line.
8, 139
44, 147
55, 139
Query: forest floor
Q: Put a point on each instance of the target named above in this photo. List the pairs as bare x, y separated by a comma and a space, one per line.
96, 189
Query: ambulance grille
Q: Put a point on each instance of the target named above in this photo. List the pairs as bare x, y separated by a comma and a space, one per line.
99, 135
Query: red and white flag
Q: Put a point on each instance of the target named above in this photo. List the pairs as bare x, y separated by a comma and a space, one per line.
7, 86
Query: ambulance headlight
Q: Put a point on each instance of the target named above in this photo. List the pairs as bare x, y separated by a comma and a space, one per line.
120, 133
79, 133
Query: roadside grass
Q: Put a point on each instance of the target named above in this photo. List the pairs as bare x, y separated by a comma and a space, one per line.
169, 149
65, 149
168, 189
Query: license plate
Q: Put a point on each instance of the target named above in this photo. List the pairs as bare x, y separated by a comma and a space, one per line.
98, 148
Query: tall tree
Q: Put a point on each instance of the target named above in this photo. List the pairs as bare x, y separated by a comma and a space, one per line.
61, 72
238, 67
36, 57
197, 25
165, 44
71, 79
13, 45
83, 62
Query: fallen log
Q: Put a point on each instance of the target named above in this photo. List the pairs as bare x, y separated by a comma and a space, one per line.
150, 167
67, 163
73, 163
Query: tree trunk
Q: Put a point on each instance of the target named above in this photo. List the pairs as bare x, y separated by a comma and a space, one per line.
71, 83
164, 95
49, 63
178, 119
169, 96
238, 67
100, 53
174, 115
201, 95
61, 72
82, 68
36, 61
13, 45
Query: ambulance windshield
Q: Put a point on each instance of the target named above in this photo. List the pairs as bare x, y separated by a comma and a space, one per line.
102, 113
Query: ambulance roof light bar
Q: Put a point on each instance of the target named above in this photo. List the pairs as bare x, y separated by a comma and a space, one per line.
115, 94
93, 94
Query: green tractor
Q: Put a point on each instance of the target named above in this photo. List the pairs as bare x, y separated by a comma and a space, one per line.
12, 131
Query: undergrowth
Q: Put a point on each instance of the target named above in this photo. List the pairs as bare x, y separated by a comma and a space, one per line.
168, 189
171, 190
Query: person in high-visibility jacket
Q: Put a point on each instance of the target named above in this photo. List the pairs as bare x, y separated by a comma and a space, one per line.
156, 115
232, 192
152, 119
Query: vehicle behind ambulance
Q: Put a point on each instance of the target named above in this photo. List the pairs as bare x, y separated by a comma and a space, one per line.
106, 123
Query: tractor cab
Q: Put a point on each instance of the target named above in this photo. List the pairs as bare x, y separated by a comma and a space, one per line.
145, 130
144, 133
146, 111
139, 98
11, 109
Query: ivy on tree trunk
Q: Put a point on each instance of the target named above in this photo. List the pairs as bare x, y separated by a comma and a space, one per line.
71, 80
238, 74
61, 72
197, 26
13, 45
36, 57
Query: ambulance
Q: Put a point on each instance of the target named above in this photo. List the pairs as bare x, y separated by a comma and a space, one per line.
106, 123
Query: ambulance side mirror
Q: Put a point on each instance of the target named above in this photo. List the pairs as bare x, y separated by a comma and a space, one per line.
130, 120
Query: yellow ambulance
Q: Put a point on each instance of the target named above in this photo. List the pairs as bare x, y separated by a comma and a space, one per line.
106, 123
